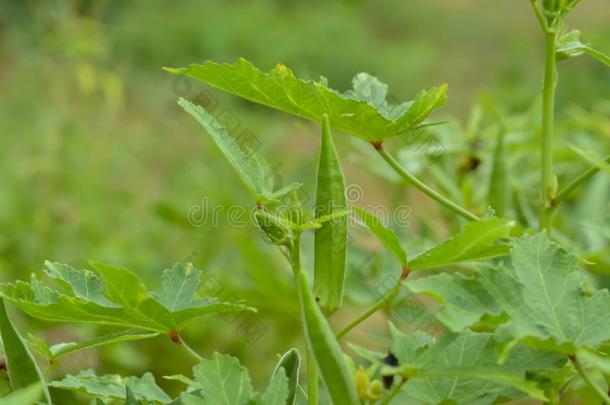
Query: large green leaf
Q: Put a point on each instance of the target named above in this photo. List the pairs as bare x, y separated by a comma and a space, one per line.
362, 112
224, 381
123, 300
22, 368
254, 171
464, 368
476, 241
113, 386
541, 292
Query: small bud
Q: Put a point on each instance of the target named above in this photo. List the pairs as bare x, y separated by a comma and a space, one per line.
274, 230
362, 383
375, 390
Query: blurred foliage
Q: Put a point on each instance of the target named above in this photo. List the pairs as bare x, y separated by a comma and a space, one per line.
99, 163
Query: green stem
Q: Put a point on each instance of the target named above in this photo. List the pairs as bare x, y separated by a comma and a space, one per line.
312, 379
583, 374
577, 182
312, 367
444, 201
390, 397
188, 349
384, 301
547, 188
539, 15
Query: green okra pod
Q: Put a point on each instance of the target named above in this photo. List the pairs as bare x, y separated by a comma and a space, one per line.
330, 239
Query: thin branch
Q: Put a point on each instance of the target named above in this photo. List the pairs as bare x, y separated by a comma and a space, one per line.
577, 182
603, 395
383, 302
444, 201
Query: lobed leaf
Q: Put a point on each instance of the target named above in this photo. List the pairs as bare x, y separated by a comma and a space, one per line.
541, 292
463, 368
126, 301
362, 112
222, 380
113, 386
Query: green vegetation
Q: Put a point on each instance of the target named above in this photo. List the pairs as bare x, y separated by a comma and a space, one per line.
414, 260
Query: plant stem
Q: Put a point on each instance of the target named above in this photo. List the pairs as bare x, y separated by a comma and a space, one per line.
385, 300
394, 392
312, 379
444, 201
577, 182
547, 188
188, 349
583, 374
312, 367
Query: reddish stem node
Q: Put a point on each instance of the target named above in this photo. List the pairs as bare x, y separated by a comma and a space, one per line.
377, 144
173, 335
405, 272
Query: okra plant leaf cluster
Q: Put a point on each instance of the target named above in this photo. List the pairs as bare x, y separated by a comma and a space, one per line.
362, 112
115, 296
519, 316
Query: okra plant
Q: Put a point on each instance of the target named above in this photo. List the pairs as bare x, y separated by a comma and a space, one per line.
521, 315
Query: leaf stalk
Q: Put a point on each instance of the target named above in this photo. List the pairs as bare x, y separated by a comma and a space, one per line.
444, 201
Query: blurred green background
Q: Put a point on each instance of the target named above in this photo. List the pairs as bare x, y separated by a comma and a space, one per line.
99, 163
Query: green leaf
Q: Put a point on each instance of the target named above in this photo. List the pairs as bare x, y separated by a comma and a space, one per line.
456, 313
277, 392
597, 360
61, 349
464, 368
330, 240
290, 362
255, 173
24, 396
385, 235
130, 398
327, 352
130, 304
541, 292
360, 112
590, 157
22, 368
223, 380
476, 241
498, 185
113, 386
570, 46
